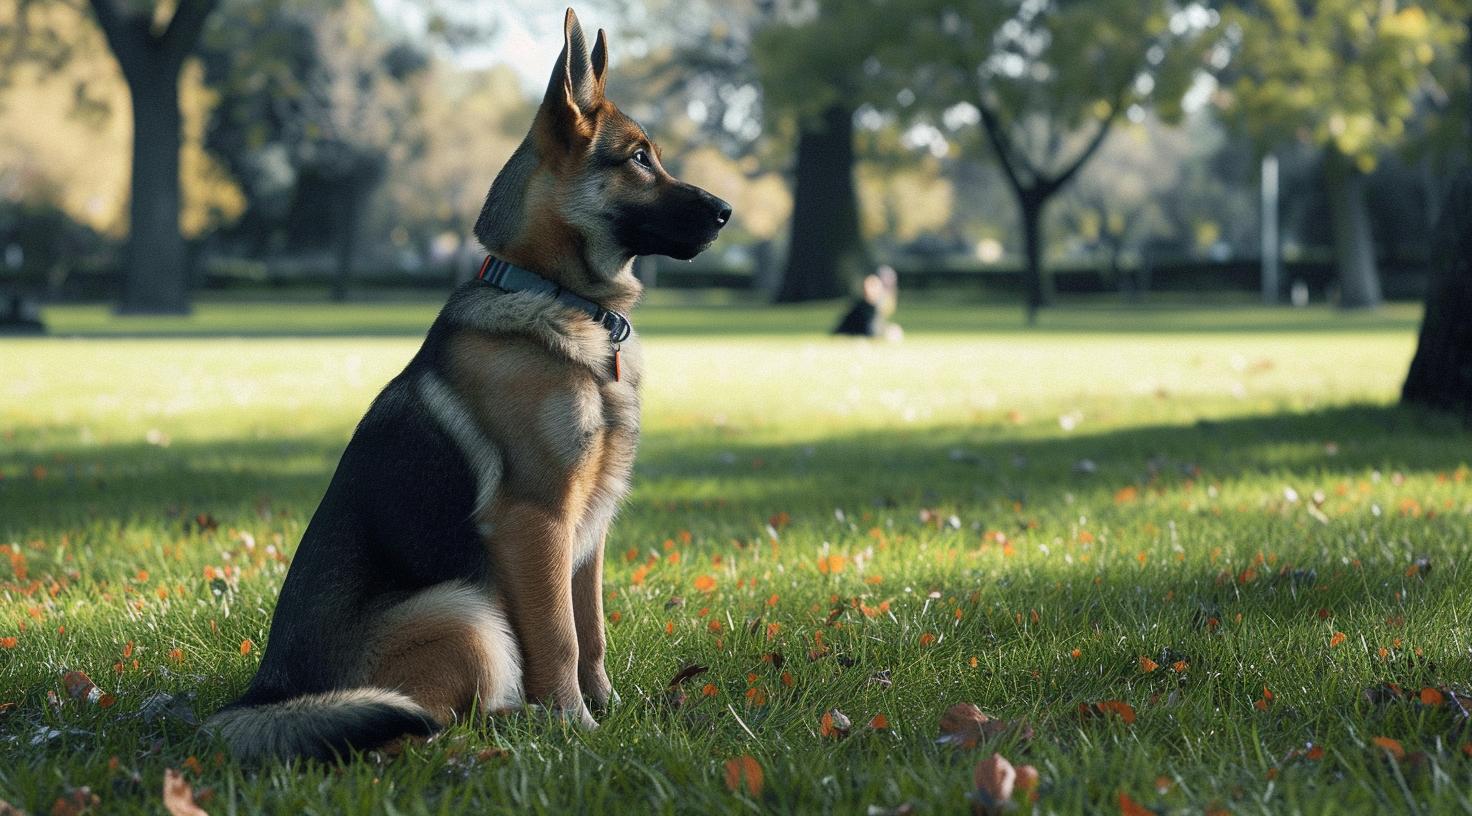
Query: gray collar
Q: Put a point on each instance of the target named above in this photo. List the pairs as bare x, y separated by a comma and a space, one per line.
511, 278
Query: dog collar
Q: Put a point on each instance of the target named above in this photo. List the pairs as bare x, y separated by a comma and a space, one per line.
511, 278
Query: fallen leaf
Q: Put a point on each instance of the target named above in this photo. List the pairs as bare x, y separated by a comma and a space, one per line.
744, 772
1027, 781
1147, 665
1336, 639
705, 583
1390, 746
80, 687
1117, 708
1129, 807
1432, 697
689, 671
75, 802
834, 724
966, 726
879, 722
179, 796
994, 779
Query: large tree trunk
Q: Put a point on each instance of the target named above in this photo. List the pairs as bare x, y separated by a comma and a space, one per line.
1354, 247
1441, 372
155, 275
155, 271
1038, 287
826, 254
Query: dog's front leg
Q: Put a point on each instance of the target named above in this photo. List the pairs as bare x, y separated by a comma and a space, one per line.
587, 605
532, 550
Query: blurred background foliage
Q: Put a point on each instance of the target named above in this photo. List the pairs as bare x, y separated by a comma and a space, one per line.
1029, 147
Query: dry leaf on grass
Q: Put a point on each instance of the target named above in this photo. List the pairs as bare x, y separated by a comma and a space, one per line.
744, 773
80, 687
1118, 708
75, 801
966, 726
179, 796
993, 779
834, 724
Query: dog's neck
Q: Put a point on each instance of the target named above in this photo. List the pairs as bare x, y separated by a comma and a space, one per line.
607, 281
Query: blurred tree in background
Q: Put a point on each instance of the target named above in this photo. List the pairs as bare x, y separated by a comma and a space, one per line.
1049, 79
316, 104
323, 141
151, 44
1345, 76
818, 64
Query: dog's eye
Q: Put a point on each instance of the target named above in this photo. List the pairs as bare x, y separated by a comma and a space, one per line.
642, 159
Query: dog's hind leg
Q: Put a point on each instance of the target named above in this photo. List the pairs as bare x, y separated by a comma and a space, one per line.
448, 648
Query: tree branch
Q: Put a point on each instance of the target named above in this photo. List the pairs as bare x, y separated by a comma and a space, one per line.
183, 32
1001, 144
1063, 178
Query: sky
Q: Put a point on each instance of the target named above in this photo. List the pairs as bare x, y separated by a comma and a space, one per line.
527, 34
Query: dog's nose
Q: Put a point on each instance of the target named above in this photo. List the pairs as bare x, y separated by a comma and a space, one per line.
719, 208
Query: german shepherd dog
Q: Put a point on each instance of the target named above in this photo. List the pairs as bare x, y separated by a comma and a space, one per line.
455, 563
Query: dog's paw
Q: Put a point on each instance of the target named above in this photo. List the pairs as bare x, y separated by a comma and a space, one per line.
597, 690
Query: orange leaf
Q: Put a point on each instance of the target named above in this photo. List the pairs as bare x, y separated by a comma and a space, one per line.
744, 772
1315, 753
245, 646
9, 642
179, 796
1390, 746
834, 724
1129, 807
879, 722
927, 639
705, 583
1147, 665
709, 690
1118, 708
1337, 639
1432, 697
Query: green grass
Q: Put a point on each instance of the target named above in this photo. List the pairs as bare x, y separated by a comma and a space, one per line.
1148, 470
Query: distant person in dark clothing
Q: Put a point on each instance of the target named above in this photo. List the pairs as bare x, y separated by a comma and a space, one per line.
869, 316
20, 316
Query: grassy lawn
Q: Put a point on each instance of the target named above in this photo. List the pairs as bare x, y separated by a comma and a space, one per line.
1027, 520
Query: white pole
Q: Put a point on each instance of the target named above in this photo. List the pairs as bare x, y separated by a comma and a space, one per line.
1271, 251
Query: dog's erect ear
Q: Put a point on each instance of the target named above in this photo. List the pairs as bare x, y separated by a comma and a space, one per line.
600, 59
573, 92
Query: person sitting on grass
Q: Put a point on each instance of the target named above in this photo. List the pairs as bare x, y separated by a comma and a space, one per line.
869, 316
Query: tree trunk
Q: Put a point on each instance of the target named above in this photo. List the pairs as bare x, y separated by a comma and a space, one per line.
1354, 247
348, 216
1441, 371
826, 254
1038, 287
155, 276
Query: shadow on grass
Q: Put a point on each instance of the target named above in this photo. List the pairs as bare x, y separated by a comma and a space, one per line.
956, 468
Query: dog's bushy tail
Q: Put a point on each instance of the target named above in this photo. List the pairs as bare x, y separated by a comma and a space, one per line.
323, 726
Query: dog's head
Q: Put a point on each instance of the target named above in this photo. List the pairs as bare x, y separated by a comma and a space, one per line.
586, 188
